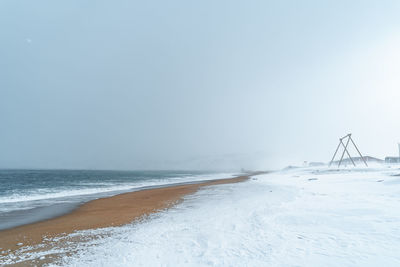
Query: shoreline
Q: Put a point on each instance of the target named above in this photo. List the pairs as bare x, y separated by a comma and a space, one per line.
43, 213
111, 211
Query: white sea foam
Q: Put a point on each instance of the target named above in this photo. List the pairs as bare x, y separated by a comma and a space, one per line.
18, 200
34, 195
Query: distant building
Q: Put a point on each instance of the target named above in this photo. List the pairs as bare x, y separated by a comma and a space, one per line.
393, 159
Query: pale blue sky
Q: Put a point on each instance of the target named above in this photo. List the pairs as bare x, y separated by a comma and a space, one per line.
195, 84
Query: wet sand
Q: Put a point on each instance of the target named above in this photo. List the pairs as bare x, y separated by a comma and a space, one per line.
112, 211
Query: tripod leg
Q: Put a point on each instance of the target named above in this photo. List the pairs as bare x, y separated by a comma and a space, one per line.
345, 148
348, 154
358, 151
334, 155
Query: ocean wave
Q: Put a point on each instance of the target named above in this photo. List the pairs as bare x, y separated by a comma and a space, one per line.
92, 188
43, 194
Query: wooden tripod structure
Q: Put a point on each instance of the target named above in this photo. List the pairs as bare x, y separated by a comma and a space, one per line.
341, 143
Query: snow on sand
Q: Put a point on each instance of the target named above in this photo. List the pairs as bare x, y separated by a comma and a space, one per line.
298, 217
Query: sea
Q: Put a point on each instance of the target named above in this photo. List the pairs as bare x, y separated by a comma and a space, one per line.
28, 196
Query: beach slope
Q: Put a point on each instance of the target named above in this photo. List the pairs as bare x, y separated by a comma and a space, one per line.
105, 212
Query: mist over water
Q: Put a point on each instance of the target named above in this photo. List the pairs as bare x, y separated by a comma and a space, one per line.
195, 85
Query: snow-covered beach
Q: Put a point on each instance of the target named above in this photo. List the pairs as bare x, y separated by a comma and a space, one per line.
199, 133
296, 217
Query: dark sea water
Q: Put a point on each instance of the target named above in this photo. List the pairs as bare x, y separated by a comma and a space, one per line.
28, 196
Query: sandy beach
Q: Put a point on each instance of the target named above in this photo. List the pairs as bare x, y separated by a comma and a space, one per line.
105, 212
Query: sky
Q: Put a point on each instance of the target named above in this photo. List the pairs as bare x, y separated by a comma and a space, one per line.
196, 84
